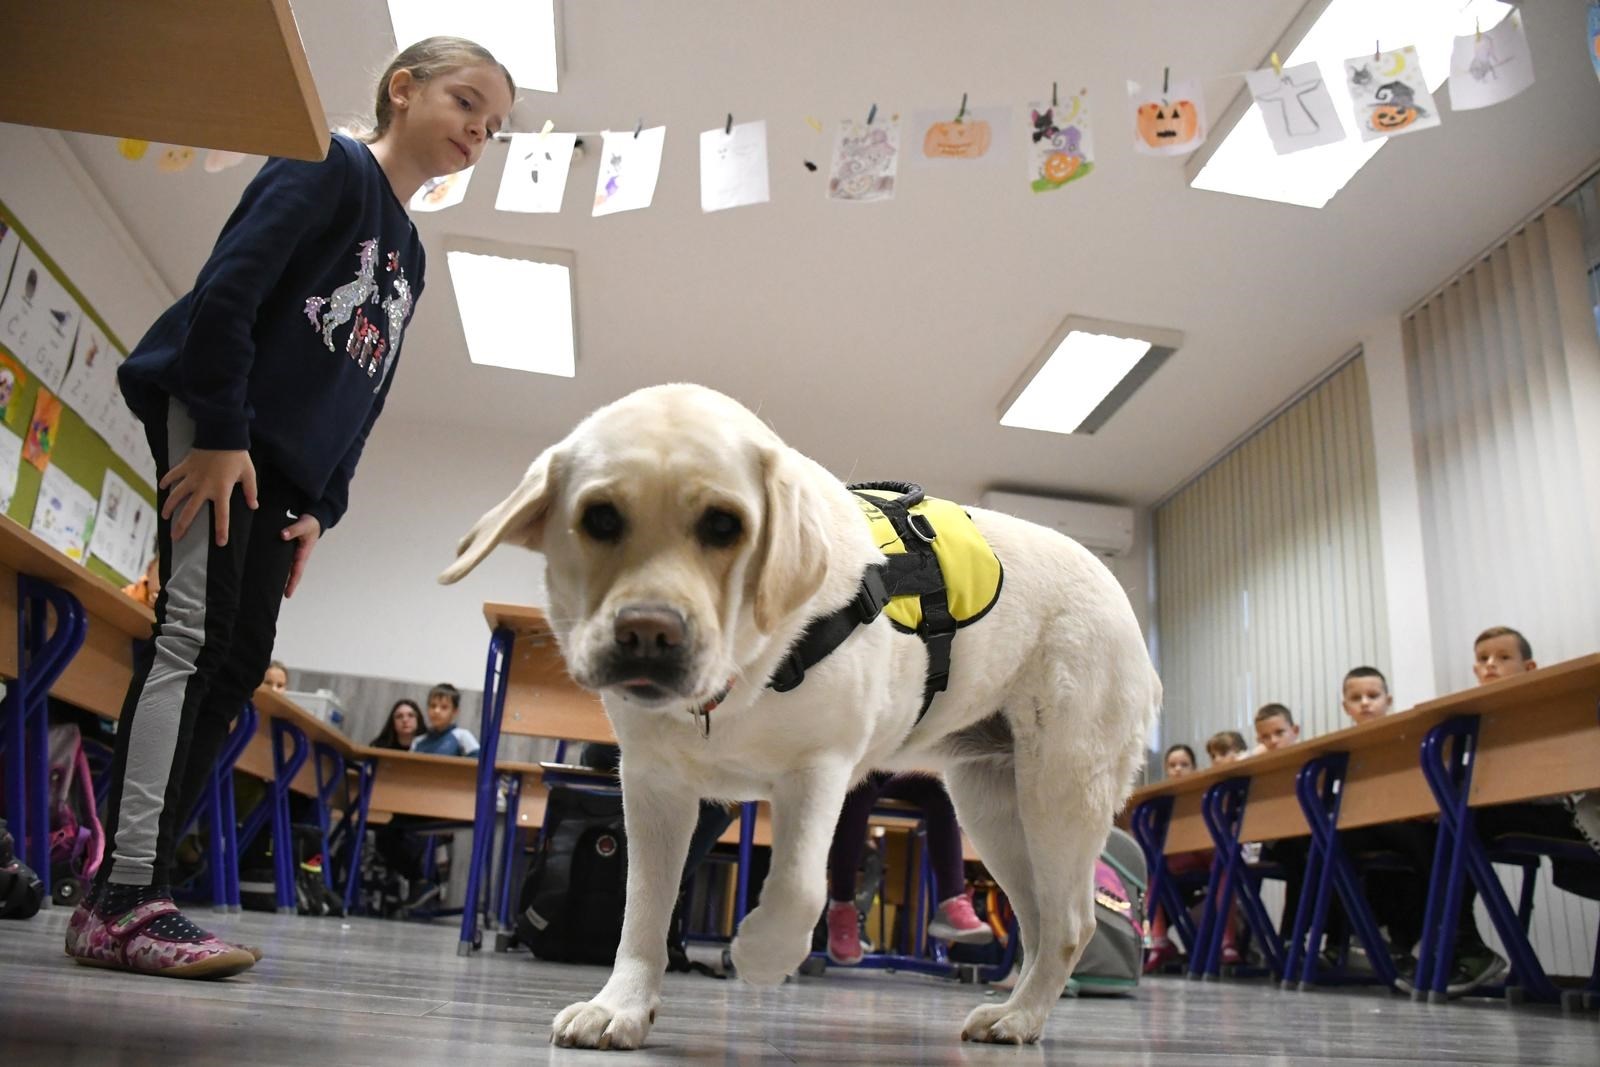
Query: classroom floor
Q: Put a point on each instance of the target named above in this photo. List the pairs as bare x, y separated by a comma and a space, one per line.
371, 992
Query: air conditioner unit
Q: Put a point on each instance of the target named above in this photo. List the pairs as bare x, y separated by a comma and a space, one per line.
1104, 529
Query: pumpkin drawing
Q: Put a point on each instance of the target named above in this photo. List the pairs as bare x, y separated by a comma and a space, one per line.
1060, 167
968, 139
1163, 124
174, 159
1391, 117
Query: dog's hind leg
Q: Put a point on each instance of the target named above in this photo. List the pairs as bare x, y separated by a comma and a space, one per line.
1074, 761
985, 795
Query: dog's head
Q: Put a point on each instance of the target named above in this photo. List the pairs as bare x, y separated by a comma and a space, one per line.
680, 534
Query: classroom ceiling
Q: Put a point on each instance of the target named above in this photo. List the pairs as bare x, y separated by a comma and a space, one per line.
881, 338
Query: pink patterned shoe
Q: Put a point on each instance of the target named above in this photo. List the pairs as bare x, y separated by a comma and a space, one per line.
133, 942
80, 922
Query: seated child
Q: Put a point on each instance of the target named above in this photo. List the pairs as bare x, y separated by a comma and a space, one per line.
148, 588
1399, 899
277, 677
444, 737
1501, 652
1275, 729
1225, 746
955, 920
1159, 949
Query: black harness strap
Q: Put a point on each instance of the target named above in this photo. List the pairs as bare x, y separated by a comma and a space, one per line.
915, 572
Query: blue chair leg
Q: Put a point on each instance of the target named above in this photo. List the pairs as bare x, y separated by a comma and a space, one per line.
747, 837
285, 766
496, 674
368, 771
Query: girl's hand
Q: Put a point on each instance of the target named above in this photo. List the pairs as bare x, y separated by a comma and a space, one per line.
306, 529
206, 476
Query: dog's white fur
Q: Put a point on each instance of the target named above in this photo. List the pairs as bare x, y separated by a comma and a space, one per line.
1038, 737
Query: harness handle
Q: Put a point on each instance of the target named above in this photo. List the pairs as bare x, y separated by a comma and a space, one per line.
911, 493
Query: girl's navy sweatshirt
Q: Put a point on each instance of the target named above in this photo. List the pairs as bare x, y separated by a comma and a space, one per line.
287, 343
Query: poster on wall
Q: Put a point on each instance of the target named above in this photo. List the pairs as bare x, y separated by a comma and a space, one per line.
447, 190
9, 241
10, 461
1170, 121
122, 527
971, 135
13, 412
38, 319
63, 516
90, 386
127, 439
42, 430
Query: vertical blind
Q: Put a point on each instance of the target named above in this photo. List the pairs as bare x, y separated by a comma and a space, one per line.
1497, 366
1269, 571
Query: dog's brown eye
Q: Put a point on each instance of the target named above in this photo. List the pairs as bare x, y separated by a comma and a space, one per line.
603, 522
718, 528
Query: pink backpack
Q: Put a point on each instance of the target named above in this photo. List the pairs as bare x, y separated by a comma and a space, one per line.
77, 841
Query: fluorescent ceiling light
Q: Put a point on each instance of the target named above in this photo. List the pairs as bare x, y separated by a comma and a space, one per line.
520, 33
1086, 371
1245, 164
516, 311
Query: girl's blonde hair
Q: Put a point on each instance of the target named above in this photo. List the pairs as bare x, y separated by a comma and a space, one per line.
427, 59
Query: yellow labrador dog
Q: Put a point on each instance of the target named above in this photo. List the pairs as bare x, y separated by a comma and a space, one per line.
687, 547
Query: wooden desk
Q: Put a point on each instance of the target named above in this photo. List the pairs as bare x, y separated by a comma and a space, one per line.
187, 72
98, 676
1539, 737
542, 700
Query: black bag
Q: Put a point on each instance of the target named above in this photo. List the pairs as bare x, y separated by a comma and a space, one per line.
570, 909
21, 891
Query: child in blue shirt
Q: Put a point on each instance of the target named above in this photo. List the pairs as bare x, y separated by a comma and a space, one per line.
257, 391
444, 737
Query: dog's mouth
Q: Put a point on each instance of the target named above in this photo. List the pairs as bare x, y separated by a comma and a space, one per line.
647, 692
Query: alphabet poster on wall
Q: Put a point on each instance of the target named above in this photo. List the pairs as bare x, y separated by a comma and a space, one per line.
10, 461
90, 387
39, 319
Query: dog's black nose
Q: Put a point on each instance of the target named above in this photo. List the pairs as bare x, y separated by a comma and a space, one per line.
649, 632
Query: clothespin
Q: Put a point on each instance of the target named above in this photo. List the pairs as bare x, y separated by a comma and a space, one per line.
1166, 76
872, 114
727, 129
811, 121
1477, 26
545, 132
962, 114
637, 126
1055, 94
1377, 53
1277, 65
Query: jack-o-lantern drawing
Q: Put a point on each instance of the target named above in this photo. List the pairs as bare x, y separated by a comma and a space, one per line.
1390, 117
966, 139
1165, 124
1394, 107
1060, 167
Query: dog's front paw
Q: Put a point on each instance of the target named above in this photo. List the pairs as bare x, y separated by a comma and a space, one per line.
591, 1024
767, 949
1002, 1024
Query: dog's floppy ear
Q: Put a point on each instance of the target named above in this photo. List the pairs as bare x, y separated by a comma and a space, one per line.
792, 559
518, 519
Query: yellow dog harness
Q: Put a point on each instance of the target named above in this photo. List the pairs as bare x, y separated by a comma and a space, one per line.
940, 576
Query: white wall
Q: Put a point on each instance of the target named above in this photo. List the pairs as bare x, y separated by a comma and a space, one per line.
369, 604
55, 200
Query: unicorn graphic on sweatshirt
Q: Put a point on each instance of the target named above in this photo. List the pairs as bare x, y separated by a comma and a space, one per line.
345, 299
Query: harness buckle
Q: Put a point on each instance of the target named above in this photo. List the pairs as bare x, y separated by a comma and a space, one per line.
871, 596
922, 526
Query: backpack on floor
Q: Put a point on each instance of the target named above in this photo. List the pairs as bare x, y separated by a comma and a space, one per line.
21, 891
77, 841
1113, 960
570, 908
